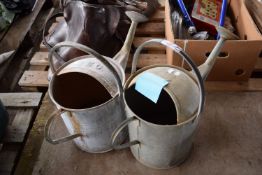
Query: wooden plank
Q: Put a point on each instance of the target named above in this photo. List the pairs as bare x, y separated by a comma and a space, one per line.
43, 48
34, 68
58, 19
53, 26
7, 160
34, 78
258, 66
162, 3
33, 144
40, 59
17, 130
149, 59
38, 68
21, 99
150, 28
139, 40
222, 145
158, 16
19, 29
22, 119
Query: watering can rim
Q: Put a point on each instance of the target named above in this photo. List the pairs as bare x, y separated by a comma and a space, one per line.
193, 117
118, 95
115, 64
82, 109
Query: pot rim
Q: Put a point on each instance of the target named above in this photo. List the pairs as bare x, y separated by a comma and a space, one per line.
193, 117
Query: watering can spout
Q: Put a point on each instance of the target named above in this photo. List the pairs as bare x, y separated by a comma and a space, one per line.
122, 56
206, 67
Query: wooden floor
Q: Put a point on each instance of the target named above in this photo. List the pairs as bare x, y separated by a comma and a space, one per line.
228, 142
16, 34
21, 108
36, 76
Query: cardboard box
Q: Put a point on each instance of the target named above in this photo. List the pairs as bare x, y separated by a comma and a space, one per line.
238, 57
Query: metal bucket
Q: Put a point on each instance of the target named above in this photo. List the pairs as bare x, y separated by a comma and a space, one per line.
93, 125
161, 134
90, 105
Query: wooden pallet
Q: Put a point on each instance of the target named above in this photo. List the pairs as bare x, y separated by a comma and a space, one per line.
21, 108
36, 76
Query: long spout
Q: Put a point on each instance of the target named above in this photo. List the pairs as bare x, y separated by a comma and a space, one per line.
206, 67
122, 56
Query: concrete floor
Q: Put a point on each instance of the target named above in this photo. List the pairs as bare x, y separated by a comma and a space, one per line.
228, 142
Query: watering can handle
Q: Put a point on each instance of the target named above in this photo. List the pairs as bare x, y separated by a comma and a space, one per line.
48, 22
184, 55
88, 51
47, 130
117, 132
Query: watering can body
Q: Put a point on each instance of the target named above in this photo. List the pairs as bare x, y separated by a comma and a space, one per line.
90, 117
91, 128
165, 146
95, 126
159, 145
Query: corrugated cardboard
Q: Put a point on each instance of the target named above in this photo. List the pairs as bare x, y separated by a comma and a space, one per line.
238, 57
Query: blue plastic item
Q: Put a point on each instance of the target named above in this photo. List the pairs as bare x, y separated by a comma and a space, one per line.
222, 15
150, 85
187, 18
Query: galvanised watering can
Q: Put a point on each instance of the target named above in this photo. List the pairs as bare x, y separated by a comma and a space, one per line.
89, 110
161, 133
88, 94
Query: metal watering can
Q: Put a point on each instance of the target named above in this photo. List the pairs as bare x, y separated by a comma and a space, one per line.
88, 93
161, 134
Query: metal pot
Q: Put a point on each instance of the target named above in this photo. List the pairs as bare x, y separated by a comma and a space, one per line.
90, 117
156, 140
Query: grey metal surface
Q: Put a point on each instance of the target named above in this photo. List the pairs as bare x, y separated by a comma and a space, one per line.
228, 141
164, 146
122, 56
94, 124
225, 34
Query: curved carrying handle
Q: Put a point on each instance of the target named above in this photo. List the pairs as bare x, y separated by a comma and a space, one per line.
183, 55
88, 51
48, 23
47, 131
117, 132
